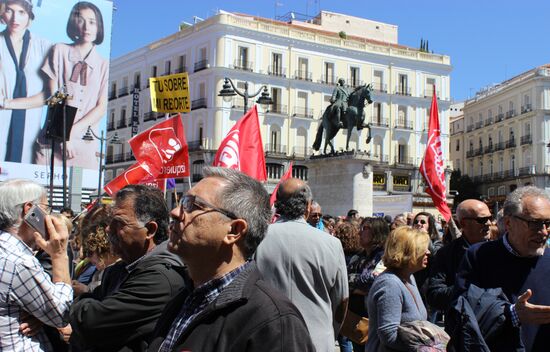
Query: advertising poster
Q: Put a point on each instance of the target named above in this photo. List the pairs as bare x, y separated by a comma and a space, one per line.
47, 46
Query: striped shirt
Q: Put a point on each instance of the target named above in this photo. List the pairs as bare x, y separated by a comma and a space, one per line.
195, 303
25, 287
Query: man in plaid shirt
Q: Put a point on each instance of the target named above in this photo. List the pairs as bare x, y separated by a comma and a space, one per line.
28, 297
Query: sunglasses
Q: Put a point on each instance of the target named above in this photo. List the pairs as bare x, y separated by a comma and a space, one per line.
421, 221
481, 220
189, 202
535, 225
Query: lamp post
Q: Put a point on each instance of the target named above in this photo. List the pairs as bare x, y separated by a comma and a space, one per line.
90, 136
229, 91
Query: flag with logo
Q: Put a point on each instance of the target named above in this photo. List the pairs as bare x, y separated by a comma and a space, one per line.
163, 147
131, 176
432, 167
286, 176
242, 148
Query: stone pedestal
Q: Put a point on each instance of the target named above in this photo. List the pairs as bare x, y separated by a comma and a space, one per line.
340, 183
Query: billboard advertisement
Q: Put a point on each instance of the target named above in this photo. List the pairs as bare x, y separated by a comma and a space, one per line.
49, 46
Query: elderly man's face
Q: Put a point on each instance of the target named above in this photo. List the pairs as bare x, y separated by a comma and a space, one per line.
126, 233
198, 231
527, 232
476, 222
315, 215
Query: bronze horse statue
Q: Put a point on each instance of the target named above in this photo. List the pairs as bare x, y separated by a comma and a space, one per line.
353, 117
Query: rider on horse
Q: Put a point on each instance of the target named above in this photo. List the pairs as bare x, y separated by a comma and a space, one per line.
339, 101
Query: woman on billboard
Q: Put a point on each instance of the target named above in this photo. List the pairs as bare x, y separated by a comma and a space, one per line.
82, 72
21, 85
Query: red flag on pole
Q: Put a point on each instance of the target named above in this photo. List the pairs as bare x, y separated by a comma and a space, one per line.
133, 175
242, 148
432, 168
286, 176
163, 147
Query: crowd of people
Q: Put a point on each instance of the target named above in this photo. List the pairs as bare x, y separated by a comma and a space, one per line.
217, 273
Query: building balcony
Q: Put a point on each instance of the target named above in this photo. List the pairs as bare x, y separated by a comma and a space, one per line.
194, 146
469, 128
243, 65
198, 104
510, 114
511, 143
109, 159
129, 156
488, 149
330, 80
278, 150
119, 158
527, 139
277, 109
470, 153
508, 174
489, 121
381, 158
477, 179
201, 65
380, 87
112, 95
110, 126
401, 90
478, 151
499, 117
403, 123
180, 69
526, 108
302, 75
303, 112
301, 152
404, 161
479, 124
123, 92
277, 71
122, 123
527, 170
379, 121
428, 93
498, 175
149, 116
499, 146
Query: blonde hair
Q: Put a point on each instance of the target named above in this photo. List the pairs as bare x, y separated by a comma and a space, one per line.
404, 246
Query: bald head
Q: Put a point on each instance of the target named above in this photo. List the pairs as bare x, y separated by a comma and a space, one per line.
293, 199
474, 217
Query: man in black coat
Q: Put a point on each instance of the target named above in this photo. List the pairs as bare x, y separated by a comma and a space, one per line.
216, 228
121, 313
474, 218
519, 264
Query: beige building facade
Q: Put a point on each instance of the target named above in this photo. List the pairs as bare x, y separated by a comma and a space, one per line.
506, 133
300, 62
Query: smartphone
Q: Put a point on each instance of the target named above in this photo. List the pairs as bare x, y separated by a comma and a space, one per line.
35, 218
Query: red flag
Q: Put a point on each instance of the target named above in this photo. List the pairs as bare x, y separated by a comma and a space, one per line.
432, 168
163, 147
242, 148
133, 175
286, 176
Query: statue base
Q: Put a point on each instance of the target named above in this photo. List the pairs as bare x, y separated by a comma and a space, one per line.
341, 182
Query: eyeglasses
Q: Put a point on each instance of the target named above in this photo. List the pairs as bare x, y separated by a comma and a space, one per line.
421, 221
318, 215
44, 206
481, 220
189, 201
535, 225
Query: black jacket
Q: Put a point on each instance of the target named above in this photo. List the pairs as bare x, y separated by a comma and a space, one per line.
124, 319
439, 287
248, 315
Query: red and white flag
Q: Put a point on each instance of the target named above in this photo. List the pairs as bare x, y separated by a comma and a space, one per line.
432, 168
286, 176
133, 175
242, 148
163, 147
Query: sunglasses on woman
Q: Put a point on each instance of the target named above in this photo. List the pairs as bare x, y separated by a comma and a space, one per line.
420, 221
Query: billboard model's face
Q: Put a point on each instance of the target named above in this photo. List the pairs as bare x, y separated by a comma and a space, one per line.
87, 26
16, 18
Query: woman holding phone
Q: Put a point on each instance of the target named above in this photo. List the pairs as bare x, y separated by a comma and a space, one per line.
82, 72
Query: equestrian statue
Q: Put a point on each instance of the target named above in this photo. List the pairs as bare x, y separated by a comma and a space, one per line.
345, 111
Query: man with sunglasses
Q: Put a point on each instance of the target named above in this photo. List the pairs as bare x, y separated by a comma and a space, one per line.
519, 264
227, 306
474, 218
121, 313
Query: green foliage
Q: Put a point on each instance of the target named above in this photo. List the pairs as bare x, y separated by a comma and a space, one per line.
342, 34
466, 188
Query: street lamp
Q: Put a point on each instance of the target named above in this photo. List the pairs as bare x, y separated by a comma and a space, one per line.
90, 136
229, 91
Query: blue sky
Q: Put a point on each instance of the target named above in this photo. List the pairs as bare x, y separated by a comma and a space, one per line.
488, 41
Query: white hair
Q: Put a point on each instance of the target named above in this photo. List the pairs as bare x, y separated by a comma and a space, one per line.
14, 193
